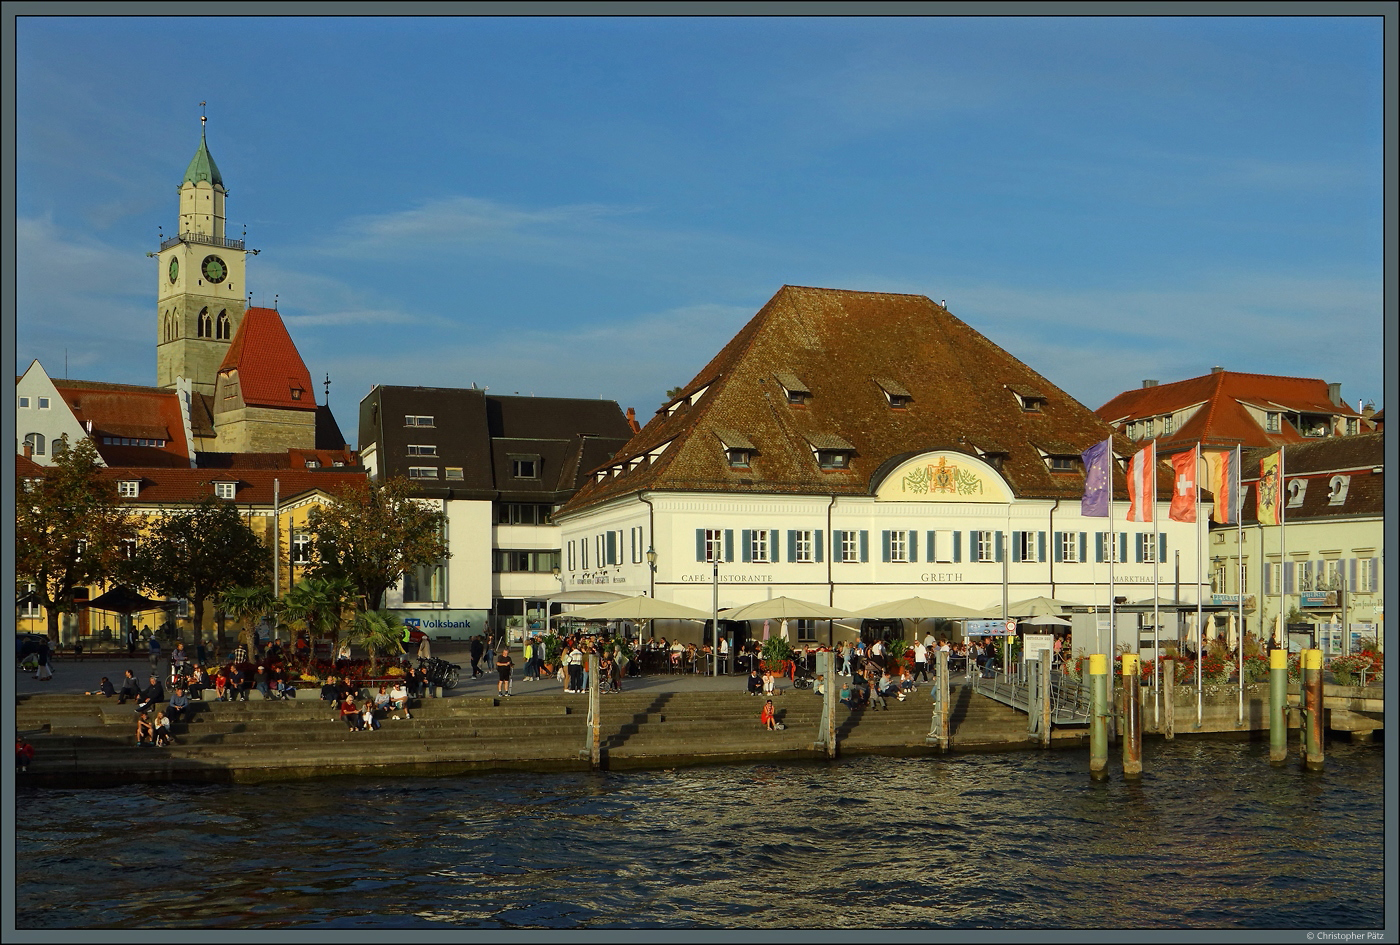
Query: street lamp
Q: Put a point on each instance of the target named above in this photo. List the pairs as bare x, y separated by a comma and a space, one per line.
651, 558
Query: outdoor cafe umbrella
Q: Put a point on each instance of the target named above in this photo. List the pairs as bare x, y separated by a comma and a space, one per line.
123, 600
1047, 620
917, 608
783, 608
638, 608
1031, 607
1232, 633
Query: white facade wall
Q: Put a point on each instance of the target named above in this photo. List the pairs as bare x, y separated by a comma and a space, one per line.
684, 577
52, 422
469, 540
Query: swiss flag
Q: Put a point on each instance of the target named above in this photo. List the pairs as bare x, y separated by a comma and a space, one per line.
1184, 493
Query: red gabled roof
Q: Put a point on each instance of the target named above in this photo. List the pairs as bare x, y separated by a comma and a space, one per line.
26, 468
1222, 417
126, 411
270, 370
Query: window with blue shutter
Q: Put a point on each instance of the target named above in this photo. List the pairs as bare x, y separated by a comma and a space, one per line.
929, 549
1375, 574
1040, 545
1137, 546
817, 543
885, 546
1001, 541
773, 545
837, 548
1098, 547
1161, 546
864, 545
957, 546
729, 544
1122, 547
1059, 549
913, 546
1083, 545
745, 545
699, 544
792, 545
1288, 577
612, 547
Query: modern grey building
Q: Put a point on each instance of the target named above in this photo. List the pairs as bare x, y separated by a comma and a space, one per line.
499, 467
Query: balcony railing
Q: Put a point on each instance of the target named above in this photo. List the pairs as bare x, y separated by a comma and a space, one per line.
202, 240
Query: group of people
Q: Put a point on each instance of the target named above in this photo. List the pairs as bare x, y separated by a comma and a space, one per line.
364, 715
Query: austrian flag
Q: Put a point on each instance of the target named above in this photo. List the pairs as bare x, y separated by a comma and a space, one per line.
1142, 484
1184, 494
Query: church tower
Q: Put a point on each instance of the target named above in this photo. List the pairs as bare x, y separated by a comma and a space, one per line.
200, 299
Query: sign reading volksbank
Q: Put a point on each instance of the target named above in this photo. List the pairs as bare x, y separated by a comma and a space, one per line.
457, 624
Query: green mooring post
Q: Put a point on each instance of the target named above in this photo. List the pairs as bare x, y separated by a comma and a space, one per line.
1312, 709
1132, 717
1278, 705
1098, 720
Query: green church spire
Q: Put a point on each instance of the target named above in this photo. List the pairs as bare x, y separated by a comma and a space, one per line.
202, 166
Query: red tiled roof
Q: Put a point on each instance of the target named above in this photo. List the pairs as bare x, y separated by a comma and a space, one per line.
26, 468
840, 344
1221, 419
291, 459
269, 367
252, 486
131, 412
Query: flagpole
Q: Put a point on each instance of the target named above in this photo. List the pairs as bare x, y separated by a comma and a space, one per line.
1112, 601
1156, 597
1239, 550
1200, 639
1281, 637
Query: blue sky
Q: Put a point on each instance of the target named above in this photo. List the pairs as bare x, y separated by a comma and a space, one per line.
592, 207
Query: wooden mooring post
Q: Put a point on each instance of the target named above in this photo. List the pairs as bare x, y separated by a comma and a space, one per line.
1312, 709
1047, 659
1132, 717
938, 725
1098, 716
595, 747
1169, 698
1278, 705
826, 730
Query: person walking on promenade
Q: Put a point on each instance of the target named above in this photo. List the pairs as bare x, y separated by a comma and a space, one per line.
769, 717
921, 661
425, 649
154, 647
477, 650
504, 664
491, 646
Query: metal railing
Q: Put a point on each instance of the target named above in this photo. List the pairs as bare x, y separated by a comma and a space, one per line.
1070, 698
202, 240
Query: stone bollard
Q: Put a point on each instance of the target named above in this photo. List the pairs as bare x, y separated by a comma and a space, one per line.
1312, 709
1098, 716
1169, 698
1278, 705
1132, 717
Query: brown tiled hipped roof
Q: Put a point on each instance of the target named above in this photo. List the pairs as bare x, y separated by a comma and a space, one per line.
129, 411
842, 346
1361, 459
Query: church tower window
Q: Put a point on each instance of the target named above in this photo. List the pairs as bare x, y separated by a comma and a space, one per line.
225, 327
206, 324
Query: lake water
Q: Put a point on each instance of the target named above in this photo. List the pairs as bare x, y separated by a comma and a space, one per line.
1211, 837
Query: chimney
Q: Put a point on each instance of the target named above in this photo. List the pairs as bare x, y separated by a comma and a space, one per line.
1149, 383
1334, 394
28, 449
632, 420
1217, 370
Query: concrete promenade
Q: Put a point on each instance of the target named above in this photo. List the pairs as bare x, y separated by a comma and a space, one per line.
657, 721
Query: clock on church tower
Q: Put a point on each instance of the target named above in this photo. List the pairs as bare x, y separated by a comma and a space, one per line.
200, 299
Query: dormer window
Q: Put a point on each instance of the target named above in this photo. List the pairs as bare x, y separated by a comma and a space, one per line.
895, 393
128, 488
1030, 400
830, 450
525, 467
1337, 494
313, 464
225, 490
1272, 421
296, 393
738, 450
797, 393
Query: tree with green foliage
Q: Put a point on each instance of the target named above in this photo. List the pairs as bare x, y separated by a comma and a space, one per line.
247, 605
69, 529
317, 605
378, 631
198, 553
371, 533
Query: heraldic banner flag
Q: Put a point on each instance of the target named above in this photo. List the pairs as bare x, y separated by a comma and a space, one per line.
1223, 479
1268, 508
1098, 480
1184, 494
1142, 484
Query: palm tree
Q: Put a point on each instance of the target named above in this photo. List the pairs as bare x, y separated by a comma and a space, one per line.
378, 631
247, 604
317, 604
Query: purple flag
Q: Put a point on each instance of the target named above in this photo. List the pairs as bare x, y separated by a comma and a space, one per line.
1097, 481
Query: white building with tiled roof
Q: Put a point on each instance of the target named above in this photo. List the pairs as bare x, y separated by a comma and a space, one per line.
852, 448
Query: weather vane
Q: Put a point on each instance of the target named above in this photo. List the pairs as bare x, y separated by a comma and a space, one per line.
202, 117
327, 383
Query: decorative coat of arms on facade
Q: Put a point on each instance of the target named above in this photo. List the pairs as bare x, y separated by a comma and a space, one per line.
944, 478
